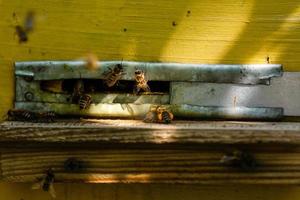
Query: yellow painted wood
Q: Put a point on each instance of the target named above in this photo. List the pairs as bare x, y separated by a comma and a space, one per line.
147, 192
231, 31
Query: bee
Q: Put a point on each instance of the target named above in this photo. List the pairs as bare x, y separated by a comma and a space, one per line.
85, 101
239, 159
141, 82
21, 34
151, 116
91, 62
78, 90
20, 115
114, 75
29, 21
163, 115
46, 183
46, 116
159, 115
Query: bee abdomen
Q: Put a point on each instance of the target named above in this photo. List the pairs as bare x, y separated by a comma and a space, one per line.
85, 101
21, 115
166, 118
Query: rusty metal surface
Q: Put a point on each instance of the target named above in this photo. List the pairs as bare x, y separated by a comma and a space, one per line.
139, 111
216, 73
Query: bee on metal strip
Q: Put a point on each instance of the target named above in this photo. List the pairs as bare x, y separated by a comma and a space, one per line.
113, 75
78, 90
46, 183
159, 115
141, 82
85, 101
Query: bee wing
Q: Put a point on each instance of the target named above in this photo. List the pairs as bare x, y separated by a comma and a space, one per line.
37, 185
52, 191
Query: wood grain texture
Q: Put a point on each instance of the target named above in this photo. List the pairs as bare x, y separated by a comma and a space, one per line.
149, 166
161, 30
136, 132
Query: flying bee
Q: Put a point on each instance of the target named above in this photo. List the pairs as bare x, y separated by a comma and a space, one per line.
91, 62
239, 159
21, 115
114, 75
46, 183
46, 116
85, 101
29, 21
141, 82
21, 33
159, 115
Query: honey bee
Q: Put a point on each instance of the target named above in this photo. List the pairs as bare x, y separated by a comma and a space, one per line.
46, 183
21, 33
114, 75
29, 22
85, 101
164, 116
239, 159
20, 115
77, 91
91, 62
159, 115
141, 82
46, 116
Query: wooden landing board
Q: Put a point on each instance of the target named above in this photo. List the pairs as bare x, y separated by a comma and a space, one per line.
283, 92
149, 166
137, 132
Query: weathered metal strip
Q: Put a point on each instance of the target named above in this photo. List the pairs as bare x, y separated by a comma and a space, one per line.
283, 92
215, 73
139, 110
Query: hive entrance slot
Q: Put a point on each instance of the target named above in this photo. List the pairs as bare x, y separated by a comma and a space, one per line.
98, 86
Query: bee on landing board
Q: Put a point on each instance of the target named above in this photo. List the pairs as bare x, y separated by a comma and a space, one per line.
239, 159
159, 115
29, 116
46, 116
141, 82
20, 115
46, 183
113, 75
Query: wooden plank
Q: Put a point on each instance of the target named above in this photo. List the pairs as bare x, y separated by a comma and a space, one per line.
282, 92
149, 166
136, 132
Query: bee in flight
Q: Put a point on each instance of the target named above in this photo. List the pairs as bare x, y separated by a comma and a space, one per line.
159, 115
239, 159
46, 183
140, 82
113, 75
21, 34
